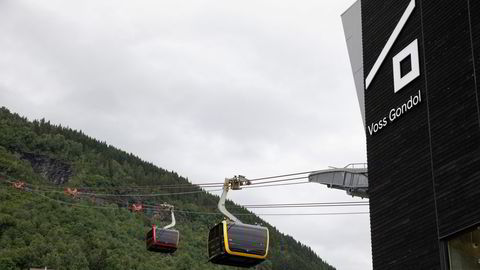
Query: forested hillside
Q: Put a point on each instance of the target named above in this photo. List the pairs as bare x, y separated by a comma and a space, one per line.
41, 226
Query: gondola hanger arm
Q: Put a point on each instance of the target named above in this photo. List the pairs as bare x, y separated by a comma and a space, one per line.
169, 207
234, 183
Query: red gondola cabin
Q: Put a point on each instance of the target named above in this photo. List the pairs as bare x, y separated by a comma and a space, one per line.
162, 240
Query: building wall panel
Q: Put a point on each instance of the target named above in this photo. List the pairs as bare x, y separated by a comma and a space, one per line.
402, 209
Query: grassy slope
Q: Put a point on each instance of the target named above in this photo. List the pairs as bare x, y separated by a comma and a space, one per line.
39, 231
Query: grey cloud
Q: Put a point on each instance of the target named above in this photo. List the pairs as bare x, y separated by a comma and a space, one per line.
206, 88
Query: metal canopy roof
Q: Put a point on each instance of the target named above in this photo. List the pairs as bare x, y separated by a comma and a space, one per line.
353, 179
352, 27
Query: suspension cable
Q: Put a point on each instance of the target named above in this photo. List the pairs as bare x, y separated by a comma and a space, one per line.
258, 185
208, 184
276, 185
277, 205
283, 175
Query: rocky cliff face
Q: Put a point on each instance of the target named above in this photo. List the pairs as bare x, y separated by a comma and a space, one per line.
58, 172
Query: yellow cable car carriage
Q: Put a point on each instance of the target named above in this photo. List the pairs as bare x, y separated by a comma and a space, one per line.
232, 242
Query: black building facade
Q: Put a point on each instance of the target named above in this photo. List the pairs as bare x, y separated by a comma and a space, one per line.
421, 64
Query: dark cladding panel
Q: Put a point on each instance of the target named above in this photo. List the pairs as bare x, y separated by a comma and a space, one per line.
452, 96
376, 14
474, 8
424, 167
402, 209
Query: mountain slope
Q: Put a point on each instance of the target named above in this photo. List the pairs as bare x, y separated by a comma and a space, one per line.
42, 227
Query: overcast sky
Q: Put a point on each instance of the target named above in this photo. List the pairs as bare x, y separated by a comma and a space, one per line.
209, 89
